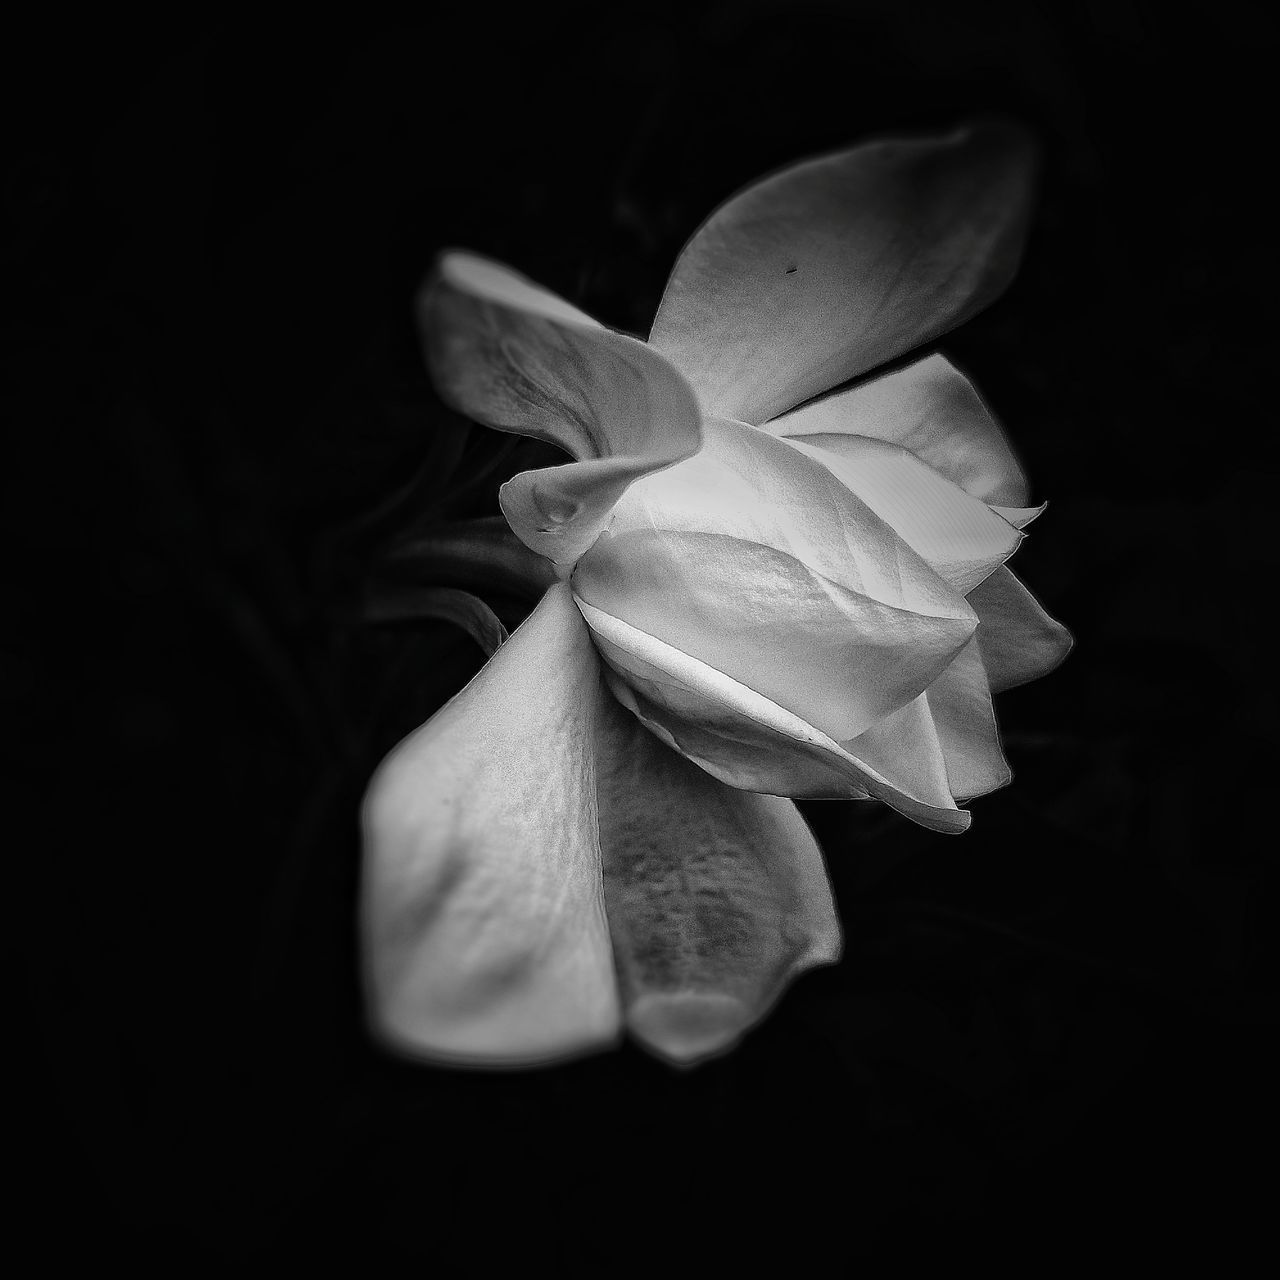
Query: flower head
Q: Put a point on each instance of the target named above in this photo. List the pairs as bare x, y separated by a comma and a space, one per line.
765, 589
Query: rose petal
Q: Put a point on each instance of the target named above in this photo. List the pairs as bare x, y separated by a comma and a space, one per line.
965, 721
960, 538
833, 266
905, 750
933, 410
1020, 517
1018, 640
514, 356
717, 898
485, 932
746, 740
754, 559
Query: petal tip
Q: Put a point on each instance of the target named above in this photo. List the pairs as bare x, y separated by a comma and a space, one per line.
687, 1027
440, 1048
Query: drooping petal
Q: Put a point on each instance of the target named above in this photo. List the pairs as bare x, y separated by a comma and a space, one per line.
833, 266
516, 357
965, 721
750, 742
485, 932
933, 410
1018, 640
958, 536
753, 558
717, 898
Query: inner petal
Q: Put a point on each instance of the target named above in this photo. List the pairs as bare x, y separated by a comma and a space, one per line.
753, 558
746, 740
961, 538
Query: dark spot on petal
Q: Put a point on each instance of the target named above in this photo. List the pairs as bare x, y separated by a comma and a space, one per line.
791, 270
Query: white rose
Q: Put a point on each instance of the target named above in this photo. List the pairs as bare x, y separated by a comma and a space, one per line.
759, 595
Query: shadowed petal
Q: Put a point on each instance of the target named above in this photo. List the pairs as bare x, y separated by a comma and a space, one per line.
516, 357
717, 898
831, 267
933, 410
750, 742
959, 537
1018, 640
965, 721
753, 558
485, 933
904, 749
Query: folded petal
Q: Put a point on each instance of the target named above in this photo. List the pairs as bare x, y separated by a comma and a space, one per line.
750, 742
1017, 639
958, 536
516, 357
753, 558
833, 266
904, 749
717, 898
933, 410
485, 934
965, 722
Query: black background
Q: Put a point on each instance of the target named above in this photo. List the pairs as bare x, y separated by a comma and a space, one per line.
1048, 1038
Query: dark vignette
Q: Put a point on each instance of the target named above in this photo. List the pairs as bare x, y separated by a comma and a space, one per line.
1048, 1039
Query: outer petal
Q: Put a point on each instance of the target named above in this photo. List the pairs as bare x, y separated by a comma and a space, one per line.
965, 721
1018, 640
754, 559
515, 357
1019, 517
717, 898
933, 410
831, 267
750, 742
485, 932
960, 538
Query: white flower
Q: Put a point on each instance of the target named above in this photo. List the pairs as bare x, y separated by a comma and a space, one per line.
759, 595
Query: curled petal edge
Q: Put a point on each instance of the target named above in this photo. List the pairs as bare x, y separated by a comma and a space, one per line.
516, 357
737, 734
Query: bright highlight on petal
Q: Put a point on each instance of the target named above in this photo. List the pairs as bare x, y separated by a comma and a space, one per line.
933, 410
754, 559
717, 898
834, 266
514, 356
750, 742
485, 933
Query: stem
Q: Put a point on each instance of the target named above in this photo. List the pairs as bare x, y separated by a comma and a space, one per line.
476, 554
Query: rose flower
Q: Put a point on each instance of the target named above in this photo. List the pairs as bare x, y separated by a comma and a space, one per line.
764, 588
